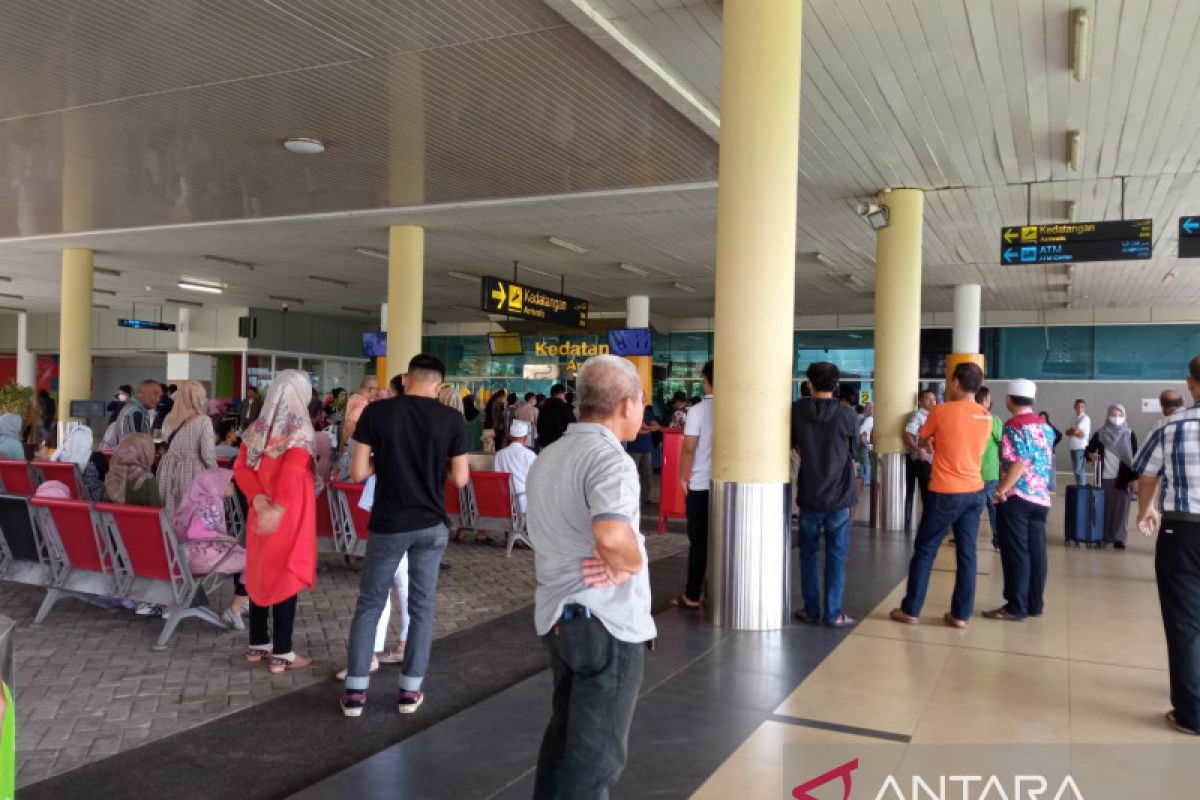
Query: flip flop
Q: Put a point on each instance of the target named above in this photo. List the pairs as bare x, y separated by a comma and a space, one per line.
682, 602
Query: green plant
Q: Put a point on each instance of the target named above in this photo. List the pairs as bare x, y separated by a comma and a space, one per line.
18, 399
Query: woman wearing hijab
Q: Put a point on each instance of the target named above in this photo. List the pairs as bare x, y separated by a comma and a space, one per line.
130, 477
191, 444
199, 523
77, 450
474, 429
275, 472
10, 437
1114, 446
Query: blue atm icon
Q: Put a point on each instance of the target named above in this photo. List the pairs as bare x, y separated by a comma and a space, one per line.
1029, 255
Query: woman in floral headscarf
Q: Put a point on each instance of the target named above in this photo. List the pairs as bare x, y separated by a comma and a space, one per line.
275, 472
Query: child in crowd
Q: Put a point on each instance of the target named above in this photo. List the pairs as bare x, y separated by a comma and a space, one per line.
200, 524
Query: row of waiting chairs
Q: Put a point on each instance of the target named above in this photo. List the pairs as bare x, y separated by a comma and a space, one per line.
23, 477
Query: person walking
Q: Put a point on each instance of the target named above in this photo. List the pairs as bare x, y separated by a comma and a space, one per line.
919, 465
553, 417
1113, 447
989, 467
695, 475
409, 442
641, 450
191, 447
1077, 436
1169, 505
958, 430
592, 606
1023, 497
825, 434
275, 472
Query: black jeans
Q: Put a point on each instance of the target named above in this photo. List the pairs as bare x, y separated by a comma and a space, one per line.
1177, 566
1023, 555
282, 619
596, 684
916, 476
697, 529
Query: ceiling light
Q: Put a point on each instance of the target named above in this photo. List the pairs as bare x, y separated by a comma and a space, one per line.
463, 276
635, 270
278, 298
1074, 146
13, 296
371, 252
195, 286
100, 307
564, 244
358, 310
178, 302
108, 292
683, 287
232, 262
824, 259
116, 273
537, 271
329, 281
855, 281
1072, 210
303, 145
5, 279
1082, 44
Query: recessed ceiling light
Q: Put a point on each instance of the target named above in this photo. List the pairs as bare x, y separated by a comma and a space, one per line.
632, 269
305, 146
371, 252
1074, 146
683, 287
564, 244
116, 273
463, 276
101, 307
233, 262
824, 259
329, 281
178, 302
200, 286
1081, 45
855, 281
278, 298
108, 292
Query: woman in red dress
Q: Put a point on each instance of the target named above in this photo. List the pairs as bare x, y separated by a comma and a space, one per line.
275, 471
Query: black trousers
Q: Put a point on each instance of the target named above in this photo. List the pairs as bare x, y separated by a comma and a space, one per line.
281, 618
1177, 567
596, 683
697, 529
1023, 555
916, 476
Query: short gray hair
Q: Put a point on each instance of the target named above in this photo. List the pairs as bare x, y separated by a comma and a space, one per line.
603, 382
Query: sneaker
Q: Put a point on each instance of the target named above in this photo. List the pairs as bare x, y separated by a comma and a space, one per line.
233, 619
409, 702
149, 610
341, 673
352, 703
1119, 545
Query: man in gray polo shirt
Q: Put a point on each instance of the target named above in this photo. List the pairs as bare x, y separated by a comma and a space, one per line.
592, 606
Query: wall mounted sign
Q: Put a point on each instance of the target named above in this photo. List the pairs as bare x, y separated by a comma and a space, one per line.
1070, 242
517, 300
145, 325
1189, 237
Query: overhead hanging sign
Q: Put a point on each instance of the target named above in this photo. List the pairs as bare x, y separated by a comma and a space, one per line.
145, 324
1189, 237
518, 300
1070, 242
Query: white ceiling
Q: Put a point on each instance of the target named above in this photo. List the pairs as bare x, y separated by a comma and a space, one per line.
969, 99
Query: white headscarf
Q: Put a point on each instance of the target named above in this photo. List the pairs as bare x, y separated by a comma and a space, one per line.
77, 449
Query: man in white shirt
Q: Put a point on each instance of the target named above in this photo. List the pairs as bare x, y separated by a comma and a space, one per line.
866, 442
517, 458
1078, 435
695, 475
920, 459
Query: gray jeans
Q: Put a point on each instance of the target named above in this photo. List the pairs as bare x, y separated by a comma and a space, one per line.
642, 460
424, 548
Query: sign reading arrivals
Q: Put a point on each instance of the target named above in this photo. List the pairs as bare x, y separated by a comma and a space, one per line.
1189, 237
517, 300
1069, 242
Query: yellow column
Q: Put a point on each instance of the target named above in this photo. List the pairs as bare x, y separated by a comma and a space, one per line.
75, 329
897, 341
754, 319
406, 290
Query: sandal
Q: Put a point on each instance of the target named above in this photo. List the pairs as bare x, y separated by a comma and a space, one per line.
290, 661
1003, 615
392, 656
842, 621
256, 653
682, 602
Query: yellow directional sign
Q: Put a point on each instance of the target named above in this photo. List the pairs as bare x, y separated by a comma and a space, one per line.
505, 297
499, 295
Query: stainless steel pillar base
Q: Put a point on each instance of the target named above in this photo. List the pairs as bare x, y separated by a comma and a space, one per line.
890, 473
748, 549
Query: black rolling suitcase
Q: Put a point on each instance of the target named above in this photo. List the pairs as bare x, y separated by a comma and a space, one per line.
1085, 514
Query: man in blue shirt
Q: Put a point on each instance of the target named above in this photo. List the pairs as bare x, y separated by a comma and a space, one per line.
641, 450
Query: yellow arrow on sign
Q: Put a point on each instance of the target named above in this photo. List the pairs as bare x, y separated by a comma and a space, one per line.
1010, 234
499, 295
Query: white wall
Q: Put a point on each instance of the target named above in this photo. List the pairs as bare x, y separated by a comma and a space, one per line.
109, 373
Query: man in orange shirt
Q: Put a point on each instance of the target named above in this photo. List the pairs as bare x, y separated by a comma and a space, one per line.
959, 430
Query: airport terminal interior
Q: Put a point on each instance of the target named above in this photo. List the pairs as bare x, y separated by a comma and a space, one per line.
766, 229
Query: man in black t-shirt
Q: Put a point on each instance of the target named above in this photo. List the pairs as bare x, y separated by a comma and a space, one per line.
554, 417
408, 443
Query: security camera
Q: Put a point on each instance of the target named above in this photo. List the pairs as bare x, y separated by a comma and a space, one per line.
866, 208
283, 306
875, 214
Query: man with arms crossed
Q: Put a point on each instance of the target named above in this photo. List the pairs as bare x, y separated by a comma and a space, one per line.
408, 442
592, 607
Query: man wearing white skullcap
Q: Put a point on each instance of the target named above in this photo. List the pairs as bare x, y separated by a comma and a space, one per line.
516, 458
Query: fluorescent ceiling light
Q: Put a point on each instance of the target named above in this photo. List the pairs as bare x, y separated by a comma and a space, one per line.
824, 259
630, 268
463, 276
371, 252
1074, 146
329, 281
358, 310
178, 302
1072, 210
855, 281
304, 145
537, 271
108, 292
232, 262
564, 244
683, 287
196, 286
102, 308
1082, 44
115, 273
278, 298
13, 296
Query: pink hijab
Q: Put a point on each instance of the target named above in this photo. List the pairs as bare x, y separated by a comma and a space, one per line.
204, 504
55, 490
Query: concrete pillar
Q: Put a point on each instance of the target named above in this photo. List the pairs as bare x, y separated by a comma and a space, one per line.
637, 315
754, 320
965, 344
75, 329
897, 342
26, 360
406, 288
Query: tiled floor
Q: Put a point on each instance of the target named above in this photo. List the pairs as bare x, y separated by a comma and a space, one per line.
89, 686
1091, 671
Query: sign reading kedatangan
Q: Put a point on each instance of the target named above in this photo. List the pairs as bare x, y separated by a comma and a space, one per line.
517, 300
1069, 242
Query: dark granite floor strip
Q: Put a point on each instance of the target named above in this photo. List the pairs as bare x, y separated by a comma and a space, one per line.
871, 733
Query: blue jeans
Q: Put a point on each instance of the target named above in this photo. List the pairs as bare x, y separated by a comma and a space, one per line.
1079, 463
424, 548
1023, 555
836, 527
989, 490
596, 682
944, 511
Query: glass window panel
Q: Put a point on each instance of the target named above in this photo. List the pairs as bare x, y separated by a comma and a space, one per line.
1047, 353
1145, 352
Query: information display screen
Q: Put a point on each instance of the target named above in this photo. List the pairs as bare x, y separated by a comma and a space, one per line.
631, 342
374, 344
505, 344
